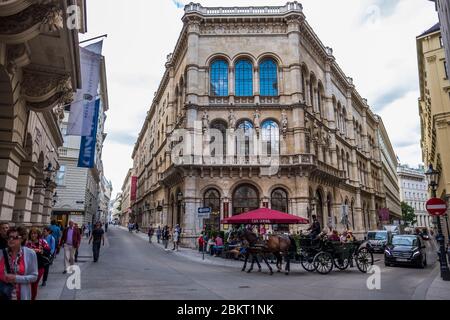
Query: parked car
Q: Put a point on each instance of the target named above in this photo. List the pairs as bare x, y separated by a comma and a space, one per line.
377, 240
406, 250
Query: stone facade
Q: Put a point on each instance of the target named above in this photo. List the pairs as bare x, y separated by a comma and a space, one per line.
443, 8
126, 205
390, 180
434, 108
414, 192
39, 72
301, 103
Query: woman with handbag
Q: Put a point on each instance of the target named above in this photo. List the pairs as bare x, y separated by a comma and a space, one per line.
48, 237
42, 249
18, 267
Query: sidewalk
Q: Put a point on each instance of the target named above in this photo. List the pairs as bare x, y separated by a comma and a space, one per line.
56, 288
190, 254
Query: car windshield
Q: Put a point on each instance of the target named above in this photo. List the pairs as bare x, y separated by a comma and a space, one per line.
377, 236
404, 241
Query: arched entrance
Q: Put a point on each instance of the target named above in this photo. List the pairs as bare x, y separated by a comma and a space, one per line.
245, 199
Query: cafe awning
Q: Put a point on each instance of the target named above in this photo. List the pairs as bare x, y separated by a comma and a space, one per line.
265, 216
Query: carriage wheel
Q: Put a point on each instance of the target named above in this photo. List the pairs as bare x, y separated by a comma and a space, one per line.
341, 264
364, 259
323, 262
307, 262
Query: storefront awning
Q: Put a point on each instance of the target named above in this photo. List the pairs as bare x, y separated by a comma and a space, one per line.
265, 216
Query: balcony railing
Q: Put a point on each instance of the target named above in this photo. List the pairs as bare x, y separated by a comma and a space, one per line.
219, 100
236, 11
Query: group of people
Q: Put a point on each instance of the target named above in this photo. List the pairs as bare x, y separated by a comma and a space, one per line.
165, 234
133, 226
331, 234
213, 245
27, 254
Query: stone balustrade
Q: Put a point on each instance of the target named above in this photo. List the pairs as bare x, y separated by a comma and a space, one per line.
236, 11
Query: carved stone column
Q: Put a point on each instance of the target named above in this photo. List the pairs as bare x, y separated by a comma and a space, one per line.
48, 205
37, 209
24, 195
11, 156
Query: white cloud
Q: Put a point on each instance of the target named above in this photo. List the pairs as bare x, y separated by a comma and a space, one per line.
373, 42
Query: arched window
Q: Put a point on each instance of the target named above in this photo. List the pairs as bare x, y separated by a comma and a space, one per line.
268, 78
245, 199
279, 200
244, 138
219, 78
271, 137
244, 78
212, 200
222, 127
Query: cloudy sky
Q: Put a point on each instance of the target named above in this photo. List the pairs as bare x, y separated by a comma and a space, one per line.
373, 42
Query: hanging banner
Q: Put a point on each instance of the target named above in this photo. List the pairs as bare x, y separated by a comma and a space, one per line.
88, 145
83, 107
133, 188
384, 215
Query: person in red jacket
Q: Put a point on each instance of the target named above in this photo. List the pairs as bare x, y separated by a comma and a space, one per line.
201, 243
70, 241
42, 249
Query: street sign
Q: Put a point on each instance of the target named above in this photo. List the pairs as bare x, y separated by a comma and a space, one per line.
204, 211
436, 207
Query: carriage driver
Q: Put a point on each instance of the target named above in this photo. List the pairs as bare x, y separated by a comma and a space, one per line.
314, 228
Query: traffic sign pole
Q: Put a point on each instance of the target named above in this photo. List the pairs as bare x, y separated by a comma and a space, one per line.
438, 207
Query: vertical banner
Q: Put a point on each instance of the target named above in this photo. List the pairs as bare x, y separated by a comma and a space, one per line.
133, 188
88, 145
83, 107
384, 215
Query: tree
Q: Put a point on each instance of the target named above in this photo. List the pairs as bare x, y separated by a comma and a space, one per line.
408, 214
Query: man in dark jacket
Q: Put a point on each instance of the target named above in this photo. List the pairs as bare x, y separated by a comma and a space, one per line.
70, 241
4, 227
314, 228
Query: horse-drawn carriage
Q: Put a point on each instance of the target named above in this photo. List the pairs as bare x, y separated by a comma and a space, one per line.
319, 255
322, 255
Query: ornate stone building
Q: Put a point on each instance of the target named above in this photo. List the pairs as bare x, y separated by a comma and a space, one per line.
39, 71
434, 108
261, 71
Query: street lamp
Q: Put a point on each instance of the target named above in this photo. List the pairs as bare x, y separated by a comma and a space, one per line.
433, 182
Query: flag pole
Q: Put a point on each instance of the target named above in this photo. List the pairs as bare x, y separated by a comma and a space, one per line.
102, 36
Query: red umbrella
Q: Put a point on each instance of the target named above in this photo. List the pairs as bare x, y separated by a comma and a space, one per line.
265, 216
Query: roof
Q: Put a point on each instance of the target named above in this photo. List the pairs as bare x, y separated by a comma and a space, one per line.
436, 27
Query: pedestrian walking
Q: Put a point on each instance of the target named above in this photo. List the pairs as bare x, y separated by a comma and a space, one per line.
158, 234
56, 233
106, 227
97, 239
136, 226
18, 265
42, 250
165, 236
86, 231
48, 237
90, 229
70, 241
76, 250
4, 227
151, 231
175, 239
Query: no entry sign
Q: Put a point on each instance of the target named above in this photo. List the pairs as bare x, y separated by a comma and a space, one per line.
436, 207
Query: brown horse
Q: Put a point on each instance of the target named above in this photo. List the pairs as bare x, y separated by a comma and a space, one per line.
279, 246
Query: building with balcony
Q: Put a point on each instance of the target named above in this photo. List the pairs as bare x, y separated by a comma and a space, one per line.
80, 189
272, 120
125, 199
414, 192
39, 73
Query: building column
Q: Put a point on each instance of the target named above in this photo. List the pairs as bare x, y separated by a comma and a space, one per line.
37, 208
24, 195
359, 215
11, 156
48, 205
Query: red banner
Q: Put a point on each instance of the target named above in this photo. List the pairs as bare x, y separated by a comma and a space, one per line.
133, 188
384, 214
